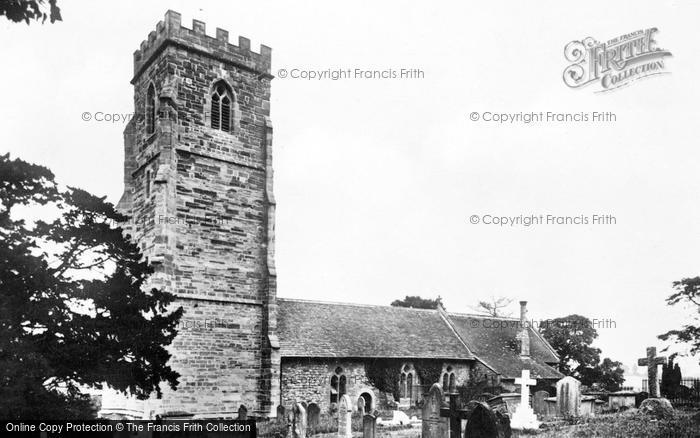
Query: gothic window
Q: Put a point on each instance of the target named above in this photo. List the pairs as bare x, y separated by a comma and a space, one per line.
402, 386
338, 385
409, 386
445, 382
221, 104
453, 386
334, 389
151, 110
148, 184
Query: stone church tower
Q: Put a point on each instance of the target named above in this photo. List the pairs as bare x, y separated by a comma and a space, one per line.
198, 189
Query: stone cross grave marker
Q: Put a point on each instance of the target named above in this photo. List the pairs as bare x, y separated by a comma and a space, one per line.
455, 416
568, 397
300, 423
524, 417
433, 424
652, 361
369, 426
345, 417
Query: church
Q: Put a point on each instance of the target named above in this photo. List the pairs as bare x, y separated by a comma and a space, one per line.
198, 187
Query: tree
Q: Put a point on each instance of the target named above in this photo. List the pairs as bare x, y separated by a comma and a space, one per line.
74, 307
671, 377
571, 337
609, 375
494, 306
417, 302
30, 10
687, 291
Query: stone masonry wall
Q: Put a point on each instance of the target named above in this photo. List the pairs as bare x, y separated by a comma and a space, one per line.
309, 380
205, 217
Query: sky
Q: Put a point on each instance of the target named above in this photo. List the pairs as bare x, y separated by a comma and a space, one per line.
376, 180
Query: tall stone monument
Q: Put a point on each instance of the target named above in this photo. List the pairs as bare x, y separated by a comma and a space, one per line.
524, 417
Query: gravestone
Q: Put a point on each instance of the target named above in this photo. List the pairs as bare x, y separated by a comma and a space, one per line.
280, 412
313, 415
299, 422
369, 426
434, 426
345, 417
454, 416
361, 405
652, 362
524, 417
568, 397
485, 423
539, 403
242, 413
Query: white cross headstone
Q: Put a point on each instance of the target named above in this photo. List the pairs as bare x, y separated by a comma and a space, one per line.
524, 417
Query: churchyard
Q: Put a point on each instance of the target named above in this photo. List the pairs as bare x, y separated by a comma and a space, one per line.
570, 412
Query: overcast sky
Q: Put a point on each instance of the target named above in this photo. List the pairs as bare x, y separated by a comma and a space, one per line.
376, 180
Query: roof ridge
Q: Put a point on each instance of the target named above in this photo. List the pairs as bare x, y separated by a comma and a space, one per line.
475, 315
342, 303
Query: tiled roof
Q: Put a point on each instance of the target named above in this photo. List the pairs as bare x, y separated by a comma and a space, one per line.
493, 341
322, 329
319, 329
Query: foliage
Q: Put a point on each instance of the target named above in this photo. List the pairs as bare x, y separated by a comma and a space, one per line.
73, 307
429, 371
671, 378
607, 375
383, 375
687, 291
628, 424
30, 10
571, 337
417, 302
494, 307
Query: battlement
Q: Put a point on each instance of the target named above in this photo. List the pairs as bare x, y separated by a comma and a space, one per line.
171, 31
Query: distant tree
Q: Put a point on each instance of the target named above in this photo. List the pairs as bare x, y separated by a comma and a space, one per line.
572, 337
74, 309
494, 307
30, 10
417, 302
687, 291
609, 375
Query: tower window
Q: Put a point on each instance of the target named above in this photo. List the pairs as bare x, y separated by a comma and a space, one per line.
148, 184
151, 110
221, 102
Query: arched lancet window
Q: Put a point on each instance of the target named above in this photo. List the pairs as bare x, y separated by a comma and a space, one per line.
409, 386
334, 389
221, 104
445, 382
151, 110
453, 386
342, 386
402, 386
338, 385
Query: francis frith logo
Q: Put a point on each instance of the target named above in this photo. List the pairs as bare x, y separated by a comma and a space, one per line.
615, 63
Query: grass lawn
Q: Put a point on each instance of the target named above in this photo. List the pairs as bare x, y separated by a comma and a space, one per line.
684, 425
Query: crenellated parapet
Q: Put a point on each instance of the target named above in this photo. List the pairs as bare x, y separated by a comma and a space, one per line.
171, 32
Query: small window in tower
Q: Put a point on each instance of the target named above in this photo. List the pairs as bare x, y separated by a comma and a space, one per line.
221, 102
148, 184
151, 110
